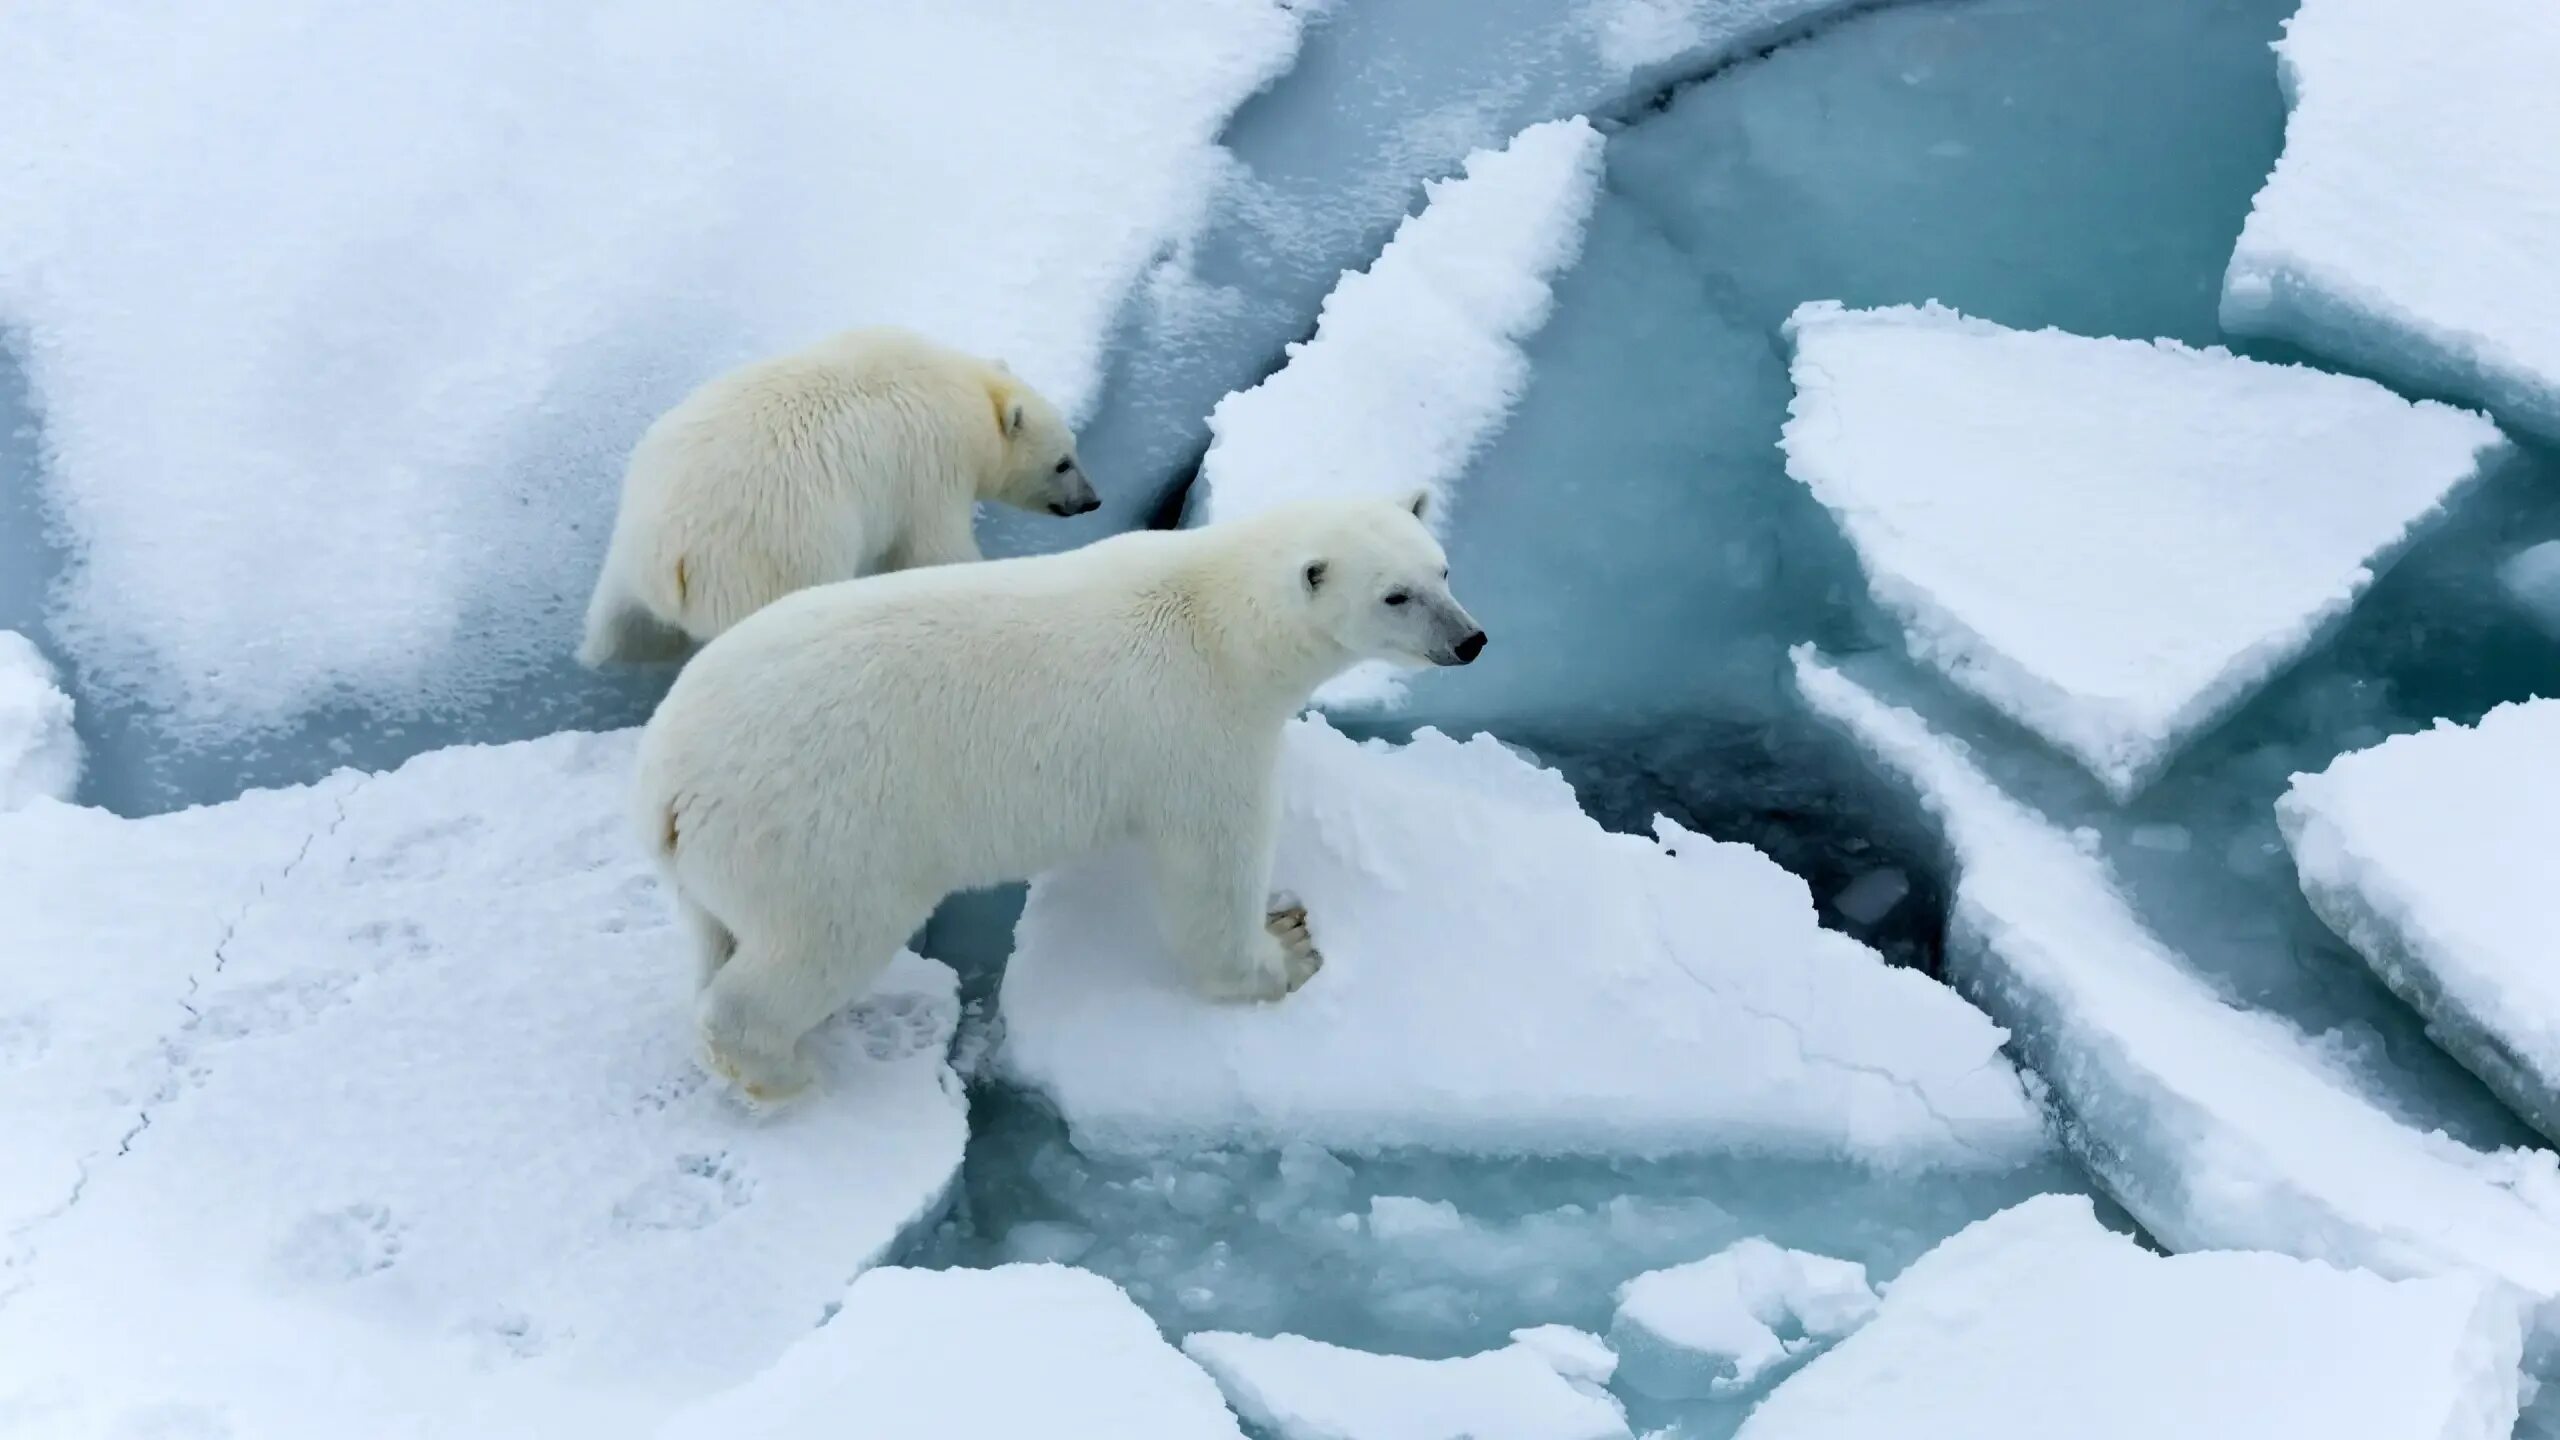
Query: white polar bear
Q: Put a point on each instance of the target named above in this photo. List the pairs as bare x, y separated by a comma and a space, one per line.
820, 777
867, 452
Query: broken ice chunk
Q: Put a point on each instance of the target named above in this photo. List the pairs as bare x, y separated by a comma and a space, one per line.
2114, 542
2531, 577
1502, 975
1301, 1389
1577, 1355
39, 752
1712, 1326
2436, 856
2217, 1127
1001, 1354
2409, 226
419, 1105
1417, 359
2040, 1322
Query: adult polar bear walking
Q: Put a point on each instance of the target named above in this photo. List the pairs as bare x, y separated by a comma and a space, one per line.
820, 777
864, 453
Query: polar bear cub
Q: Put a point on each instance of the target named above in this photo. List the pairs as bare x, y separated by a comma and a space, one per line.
820, 777
864, 453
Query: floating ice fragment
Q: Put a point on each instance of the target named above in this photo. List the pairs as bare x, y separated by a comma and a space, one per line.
2531, 578
2115, 542
1303, 1389
39, 752
1712, 1326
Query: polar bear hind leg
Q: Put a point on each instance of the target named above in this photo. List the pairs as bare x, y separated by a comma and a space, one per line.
787, 976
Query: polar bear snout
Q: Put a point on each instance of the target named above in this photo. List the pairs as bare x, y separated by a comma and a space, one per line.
1072, 494
1468, 649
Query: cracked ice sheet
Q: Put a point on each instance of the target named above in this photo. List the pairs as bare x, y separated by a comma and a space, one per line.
2216, 1127
430, 1155
2114, 542
1503, 976
2436, 856
1301, 1389
1416, 360
2039, 1322
2409, 225
272, 264
1001, 1354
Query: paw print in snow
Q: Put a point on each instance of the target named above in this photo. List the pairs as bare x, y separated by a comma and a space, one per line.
695, 1194
674, 1090
23, 1040
894, 1027
392, 939
427, 850
337, 1246
272, 1007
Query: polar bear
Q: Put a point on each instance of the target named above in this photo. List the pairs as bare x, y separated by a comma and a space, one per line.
820, 777
864, 453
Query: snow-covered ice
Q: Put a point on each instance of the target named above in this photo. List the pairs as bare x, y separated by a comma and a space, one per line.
337, 362
1503, 976
2436, 856
1415, 360
1301, 1389
2040, 1322
2408, 227
390, 1124
2215, 1126
1712, 1326
2114, 542
39, 752
1001, 1354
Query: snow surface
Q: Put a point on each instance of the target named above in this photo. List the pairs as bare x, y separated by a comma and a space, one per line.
1721, 1315
2216, 1127
378, 1116
2114, 542
2040, 1322
1001, 1354
39, 753
1503, 976
338, 360
1416, 360
2409, 225
1301, 1389
2436, 856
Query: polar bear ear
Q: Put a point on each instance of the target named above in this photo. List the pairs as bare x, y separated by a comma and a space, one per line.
1418, 502
1001, 367
1013, 420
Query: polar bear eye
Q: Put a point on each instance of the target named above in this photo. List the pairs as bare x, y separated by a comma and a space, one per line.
1397, 597
1063, 466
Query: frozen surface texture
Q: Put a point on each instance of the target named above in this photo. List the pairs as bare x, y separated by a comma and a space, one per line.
379, 1103
2216, 1127
1415, 360
1501, 976
1001, 1354
2114, 542
1302, 1389
39, 753
1712, 1326
2436, 856
2409, 226
2040, 1322
337, 365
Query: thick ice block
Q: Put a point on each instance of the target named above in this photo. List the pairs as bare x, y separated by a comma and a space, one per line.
2114, 542
1301, 1389
2040, 1322
1711, 1327
1417, 359
2408, 227
2436, 856
419, 1132
1001, 1354
2217, 1127
1502, 975
39, 753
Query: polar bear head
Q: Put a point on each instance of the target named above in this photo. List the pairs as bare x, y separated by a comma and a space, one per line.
1039, 470
1376, 583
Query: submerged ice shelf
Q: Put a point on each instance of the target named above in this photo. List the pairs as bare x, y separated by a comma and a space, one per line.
2436, 855
2114, 543
1539, 1387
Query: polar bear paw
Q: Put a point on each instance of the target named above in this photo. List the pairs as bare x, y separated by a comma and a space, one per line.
764, 1080
1299, 957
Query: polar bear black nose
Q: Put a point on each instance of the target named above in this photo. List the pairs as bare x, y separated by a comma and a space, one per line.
1469, 648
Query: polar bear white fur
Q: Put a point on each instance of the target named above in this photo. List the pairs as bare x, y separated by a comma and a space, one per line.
820, 777
865, 453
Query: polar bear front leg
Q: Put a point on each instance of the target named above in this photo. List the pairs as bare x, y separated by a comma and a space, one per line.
1213, 894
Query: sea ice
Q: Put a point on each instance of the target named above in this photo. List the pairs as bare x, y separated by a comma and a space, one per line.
2215, 1126
1711, 1327
411, 1138
39, 753
2531, 578
1301, 1389
1503, 976
2040, 1321
2436, 856
2409, 225
2114, 542
337, 363
1001, 1354
1415, 360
